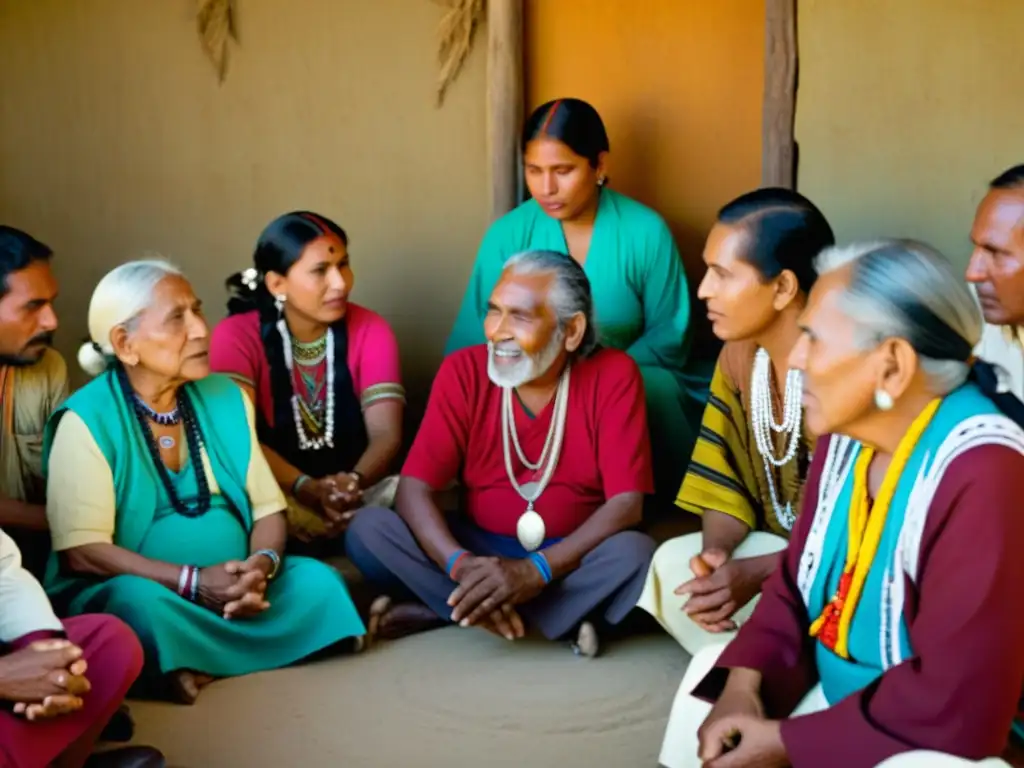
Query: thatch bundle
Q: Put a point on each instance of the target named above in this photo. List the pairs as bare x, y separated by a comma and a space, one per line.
215, 22
455, 39
216, 25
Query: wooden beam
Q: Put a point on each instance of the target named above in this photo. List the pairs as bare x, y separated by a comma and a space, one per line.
504, 100
778, 147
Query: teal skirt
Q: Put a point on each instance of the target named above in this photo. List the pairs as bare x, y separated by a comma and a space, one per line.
310, 608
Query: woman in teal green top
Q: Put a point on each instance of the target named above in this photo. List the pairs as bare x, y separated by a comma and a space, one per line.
636, 275
161, 506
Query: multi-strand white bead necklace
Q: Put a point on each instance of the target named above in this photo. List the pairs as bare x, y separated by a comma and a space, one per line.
762, 418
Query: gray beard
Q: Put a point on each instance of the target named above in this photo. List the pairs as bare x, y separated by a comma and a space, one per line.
528, 368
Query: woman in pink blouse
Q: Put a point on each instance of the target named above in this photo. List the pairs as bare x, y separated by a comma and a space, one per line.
323, 372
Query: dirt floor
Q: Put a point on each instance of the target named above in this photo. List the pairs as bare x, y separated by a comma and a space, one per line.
452, 698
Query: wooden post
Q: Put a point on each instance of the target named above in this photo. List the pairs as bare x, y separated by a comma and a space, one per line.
504, 100
778, 161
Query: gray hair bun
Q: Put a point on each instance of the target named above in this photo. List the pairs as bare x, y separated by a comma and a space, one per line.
91, 358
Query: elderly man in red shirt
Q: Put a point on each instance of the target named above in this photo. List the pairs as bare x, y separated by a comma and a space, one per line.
546, 434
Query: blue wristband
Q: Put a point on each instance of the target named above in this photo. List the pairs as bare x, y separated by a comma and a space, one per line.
453, 559
541, 563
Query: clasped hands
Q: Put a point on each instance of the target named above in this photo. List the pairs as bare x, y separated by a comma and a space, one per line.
720, 587
45, 678
489, 590
236, 589
736, 734
336, 497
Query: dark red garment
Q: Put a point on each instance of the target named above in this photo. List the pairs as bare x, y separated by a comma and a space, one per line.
114, 656
606, 450
960, 692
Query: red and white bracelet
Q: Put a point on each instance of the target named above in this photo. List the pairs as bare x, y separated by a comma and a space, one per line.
188, 582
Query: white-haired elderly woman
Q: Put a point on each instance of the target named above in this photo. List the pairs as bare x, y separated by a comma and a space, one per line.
892, 631
163, 510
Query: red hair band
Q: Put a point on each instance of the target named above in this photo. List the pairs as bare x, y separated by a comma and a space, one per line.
324, 229
547, 120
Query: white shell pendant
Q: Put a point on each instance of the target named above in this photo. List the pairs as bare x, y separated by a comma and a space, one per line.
530, 530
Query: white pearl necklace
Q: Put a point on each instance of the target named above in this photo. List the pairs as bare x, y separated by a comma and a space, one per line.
763, 422
326, 440
530, 529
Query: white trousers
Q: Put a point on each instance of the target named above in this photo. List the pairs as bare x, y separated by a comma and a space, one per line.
671, 567
679, 749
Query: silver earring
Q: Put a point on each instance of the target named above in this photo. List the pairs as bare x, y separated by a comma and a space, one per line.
279, 301
883, 400
601, 181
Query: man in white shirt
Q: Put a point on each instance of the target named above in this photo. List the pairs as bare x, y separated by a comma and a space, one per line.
996, 269
60, 682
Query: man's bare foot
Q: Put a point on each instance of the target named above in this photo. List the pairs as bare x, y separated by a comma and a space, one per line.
185, 685
587, 642
390, 621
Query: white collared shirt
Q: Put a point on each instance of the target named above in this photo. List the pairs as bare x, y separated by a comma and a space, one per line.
1003, 345
24, 607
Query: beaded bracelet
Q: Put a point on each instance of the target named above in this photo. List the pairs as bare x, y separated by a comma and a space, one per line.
454, 560
542, 565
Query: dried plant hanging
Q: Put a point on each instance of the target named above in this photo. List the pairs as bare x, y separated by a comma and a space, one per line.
215, 21
455, 39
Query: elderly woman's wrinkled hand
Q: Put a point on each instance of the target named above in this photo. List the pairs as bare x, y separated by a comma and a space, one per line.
249, 604
228, 583
252, 576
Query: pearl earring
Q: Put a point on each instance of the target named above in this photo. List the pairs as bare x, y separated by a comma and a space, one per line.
601, 181
883, 400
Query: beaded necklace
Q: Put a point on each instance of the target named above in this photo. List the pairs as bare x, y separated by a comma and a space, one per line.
310, 440
166, 419
866, 523
763, 424
194, 438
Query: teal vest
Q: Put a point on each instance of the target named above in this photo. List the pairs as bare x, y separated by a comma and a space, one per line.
101, 405
879, 637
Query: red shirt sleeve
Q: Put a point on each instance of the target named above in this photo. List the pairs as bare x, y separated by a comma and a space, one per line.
235, 348
960, 691
623, 442
439, 449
